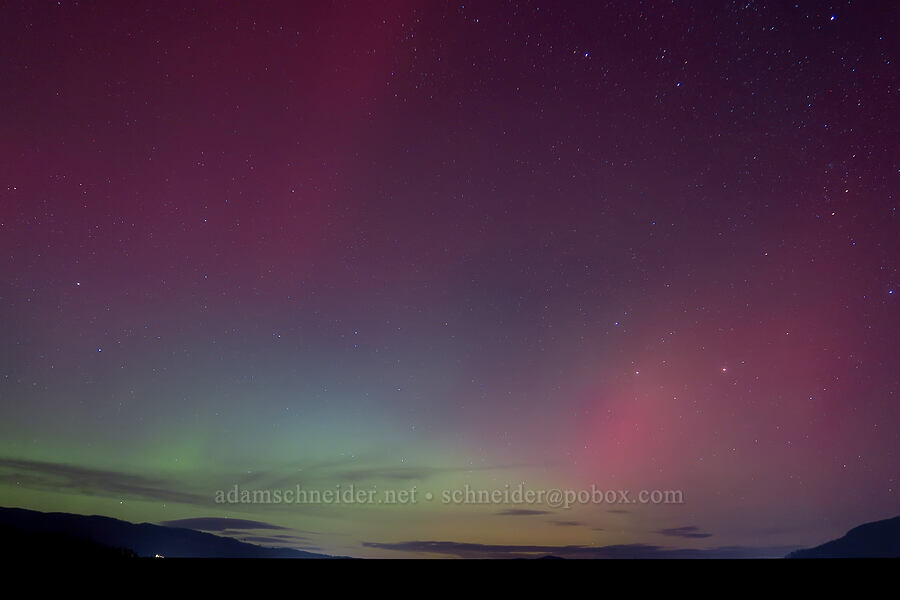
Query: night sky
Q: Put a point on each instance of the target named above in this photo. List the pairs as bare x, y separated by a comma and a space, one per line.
637, 245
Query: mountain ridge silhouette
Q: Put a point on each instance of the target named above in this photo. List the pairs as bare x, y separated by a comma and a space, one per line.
877, 539
144, 539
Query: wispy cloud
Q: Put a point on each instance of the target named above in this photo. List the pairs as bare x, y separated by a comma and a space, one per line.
568, 523
60, 477
470, 550
522, 512
221, 524
277, 541
688, 531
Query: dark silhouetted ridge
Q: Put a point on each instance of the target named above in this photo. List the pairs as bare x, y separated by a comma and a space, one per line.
879, 539
28, 531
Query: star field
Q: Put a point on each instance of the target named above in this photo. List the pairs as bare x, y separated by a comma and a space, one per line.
643, 245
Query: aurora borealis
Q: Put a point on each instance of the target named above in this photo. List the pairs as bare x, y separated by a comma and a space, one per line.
397, 245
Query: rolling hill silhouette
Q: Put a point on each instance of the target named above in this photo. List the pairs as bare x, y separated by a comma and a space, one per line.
29, 533
878, 539
107, 536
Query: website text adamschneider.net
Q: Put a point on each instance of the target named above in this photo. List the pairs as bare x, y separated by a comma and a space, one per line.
507, 495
